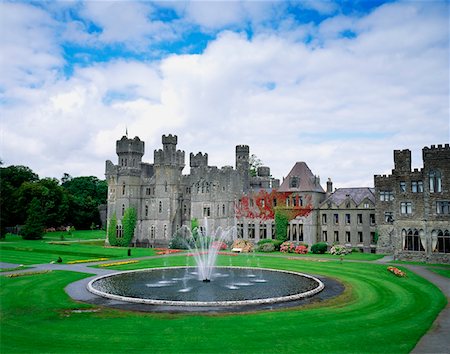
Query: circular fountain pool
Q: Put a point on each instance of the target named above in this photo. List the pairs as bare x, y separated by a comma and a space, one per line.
228, 286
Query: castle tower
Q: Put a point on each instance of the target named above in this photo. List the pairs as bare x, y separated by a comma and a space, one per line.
129, 152
402, 160
169, 155
243, 164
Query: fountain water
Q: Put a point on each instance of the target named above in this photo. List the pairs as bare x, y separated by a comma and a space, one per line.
205, 246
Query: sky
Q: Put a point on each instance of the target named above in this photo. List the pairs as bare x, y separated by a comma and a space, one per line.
337, 84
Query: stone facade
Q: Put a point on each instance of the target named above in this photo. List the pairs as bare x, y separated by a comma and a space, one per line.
413, 207
347, 217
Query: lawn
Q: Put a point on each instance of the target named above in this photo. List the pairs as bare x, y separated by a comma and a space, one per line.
13, 249
378, 313
440, 271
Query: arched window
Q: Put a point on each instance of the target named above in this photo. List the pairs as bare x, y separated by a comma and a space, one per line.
123, 209
435, 181
412, 241
223, 209
443, 241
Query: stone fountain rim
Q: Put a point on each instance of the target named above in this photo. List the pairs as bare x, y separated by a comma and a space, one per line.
270, 300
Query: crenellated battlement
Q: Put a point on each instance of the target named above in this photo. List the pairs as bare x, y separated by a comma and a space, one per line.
198, 160
242, 149
168, 158
169, 139
125, 146
436, 152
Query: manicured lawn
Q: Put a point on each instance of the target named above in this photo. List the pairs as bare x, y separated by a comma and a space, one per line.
443, 272
379, 313
352, 256
16, 250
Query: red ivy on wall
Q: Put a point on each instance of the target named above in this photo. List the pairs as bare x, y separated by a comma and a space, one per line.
261, 205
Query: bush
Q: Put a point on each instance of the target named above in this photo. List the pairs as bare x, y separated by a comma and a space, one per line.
301, 249
277, 244
244, 245
287, 247
266, 247
178, 242
340, 250
319, 248
220, 245
266, 240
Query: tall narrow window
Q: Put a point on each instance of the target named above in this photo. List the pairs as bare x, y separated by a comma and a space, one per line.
165, 231
402, 186
360, 237
435, 181
146, 210
336, 218
223, 210
372, 219
123, 209
160, 207
263, 231
324, 236
347, 236
347, 219
123, 188
336, 236
152, 231
251, 231
324, 219
359, 219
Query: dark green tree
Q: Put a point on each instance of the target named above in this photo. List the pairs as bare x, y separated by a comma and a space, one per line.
85, 196
34, 226
11, 178
112, 226
129, 224
254, 162
281, 225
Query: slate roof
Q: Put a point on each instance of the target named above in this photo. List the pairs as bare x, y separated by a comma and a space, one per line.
307, 182
356, 194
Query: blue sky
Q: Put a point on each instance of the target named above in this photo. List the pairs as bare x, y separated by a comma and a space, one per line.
337, 84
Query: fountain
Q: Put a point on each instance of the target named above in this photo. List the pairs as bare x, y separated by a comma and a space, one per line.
206, 285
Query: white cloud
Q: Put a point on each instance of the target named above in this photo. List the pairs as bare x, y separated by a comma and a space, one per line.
340, 104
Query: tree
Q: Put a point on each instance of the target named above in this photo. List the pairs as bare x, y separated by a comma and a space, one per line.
254, 163
11, 178
112, 226
281, 225
129, 224
85, 196
34, 226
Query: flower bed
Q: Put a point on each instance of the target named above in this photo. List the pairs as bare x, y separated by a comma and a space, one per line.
161, 251
292, 247
396, 271
340, 250
116, 263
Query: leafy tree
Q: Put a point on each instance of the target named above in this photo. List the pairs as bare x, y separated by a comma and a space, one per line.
85, 195
129, 224
11, 178
281, 225
112, 238
254, 162
34, 226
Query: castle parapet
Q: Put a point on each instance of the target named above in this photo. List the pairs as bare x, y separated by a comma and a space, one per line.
198, 160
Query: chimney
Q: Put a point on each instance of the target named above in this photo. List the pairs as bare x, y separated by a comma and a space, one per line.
329, 187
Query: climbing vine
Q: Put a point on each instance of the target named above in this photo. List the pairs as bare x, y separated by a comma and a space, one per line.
128, 224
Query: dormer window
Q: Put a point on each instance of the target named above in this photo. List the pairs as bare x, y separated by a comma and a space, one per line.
293, 182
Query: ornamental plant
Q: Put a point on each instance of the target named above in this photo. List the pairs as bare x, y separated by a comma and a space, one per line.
220, 245
340, 250
396, 271
319, 248
287, 247
301, 249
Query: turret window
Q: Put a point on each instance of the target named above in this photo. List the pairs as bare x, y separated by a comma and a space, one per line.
146, 210
160, 207
435, 181
123, 188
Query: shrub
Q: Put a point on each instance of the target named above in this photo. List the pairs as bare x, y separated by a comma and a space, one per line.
266, 247
287, 247
319, 248
266, 240
277, 244
301, 249
245, 245
221, 246
34, 226
281, 224
129, 224
340, 250
178, 242
112, 237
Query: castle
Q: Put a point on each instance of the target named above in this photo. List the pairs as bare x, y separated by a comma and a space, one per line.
165, 199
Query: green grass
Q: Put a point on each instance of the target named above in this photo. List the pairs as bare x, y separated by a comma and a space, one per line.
443, 272
375, 311
352, 256
16, 250
422, 263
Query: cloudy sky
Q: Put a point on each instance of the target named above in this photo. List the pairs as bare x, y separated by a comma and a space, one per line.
337, 84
